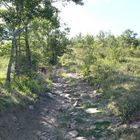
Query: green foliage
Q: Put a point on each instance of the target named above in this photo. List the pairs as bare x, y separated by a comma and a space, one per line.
128, 38
97, 130
35, 83
49, 44
111, 67
3, 68
5, 49
4, 98
126, 106
27, 87
131, 134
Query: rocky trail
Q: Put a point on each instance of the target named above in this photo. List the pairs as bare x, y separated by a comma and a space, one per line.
73, 110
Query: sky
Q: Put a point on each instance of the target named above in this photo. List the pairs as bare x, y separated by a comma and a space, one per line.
113, 16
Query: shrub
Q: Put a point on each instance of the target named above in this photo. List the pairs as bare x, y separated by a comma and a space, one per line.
127, 106
36, 83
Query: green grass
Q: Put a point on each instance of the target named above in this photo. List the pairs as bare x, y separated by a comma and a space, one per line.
25, 89
98, 130
3, 69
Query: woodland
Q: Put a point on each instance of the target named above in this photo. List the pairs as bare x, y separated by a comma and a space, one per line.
90, 85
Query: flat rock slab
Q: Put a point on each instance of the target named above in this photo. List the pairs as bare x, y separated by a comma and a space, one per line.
72, 134
79, 138
92, 110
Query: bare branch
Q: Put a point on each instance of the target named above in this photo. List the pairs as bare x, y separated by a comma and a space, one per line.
6, 5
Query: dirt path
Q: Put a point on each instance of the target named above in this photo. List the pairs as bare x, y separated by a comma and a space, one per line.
70, 112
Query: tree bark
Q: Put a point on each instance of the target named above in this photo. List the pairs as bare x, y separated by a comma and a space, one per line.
28, 52
8, 77
16, 62
18, 55
19, 51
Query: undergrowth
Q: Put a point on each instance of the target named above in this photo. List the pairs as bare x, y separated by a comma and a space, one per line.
25, 88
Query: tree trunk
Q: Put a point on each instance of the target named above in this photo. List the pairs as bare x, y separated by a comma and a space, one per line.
53, 49
18, 55
8, 77
19, 52
28, 52
16, 62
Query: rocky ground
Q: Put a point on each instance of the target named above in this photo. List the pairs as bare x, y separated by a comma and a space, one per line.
73, 110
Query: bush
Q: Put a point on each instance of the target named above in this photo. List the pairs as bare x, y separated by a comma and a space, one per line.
36, 83
127, 106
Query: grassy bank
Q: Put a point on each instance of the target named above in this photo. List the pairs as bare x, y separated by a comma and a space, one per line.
26, 88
